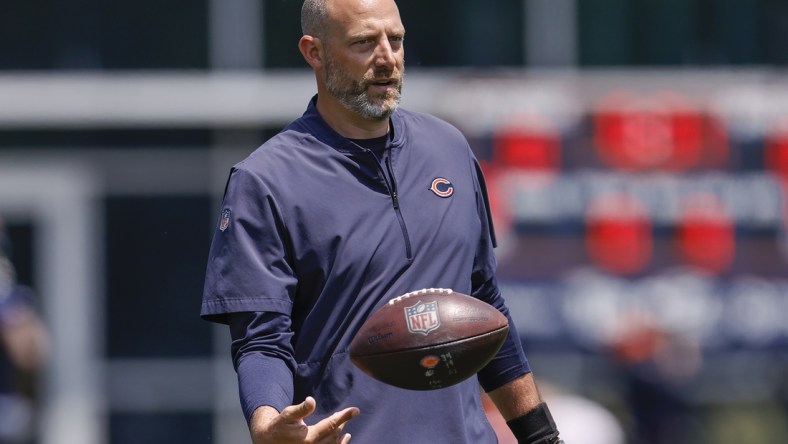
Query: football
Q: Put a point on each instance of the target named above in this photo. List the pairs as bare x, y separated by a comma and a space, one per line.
428, 339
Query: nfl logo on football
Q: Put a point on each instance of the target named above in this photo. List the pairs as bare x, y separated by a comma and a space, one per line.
423, 317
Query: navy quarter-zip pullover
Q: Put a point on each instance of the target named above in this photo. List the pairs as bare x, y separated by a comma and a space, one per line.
315, 233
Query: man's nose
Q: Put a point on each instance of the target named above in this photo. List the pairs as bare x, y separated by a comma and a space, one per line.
384, 54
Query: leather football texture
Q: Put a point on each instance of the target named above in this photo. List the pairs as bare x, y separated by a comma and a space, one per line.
428, 339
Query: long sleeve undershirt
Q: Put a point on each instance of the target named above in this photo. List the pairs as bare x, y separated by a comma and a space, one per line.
262, 354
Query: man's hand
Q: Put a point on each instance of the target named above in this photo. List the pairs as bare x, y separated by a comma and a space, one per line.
288, 427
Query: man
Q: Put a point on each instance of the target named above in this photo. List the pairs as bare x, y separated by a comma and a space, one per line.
351, 205
23, 346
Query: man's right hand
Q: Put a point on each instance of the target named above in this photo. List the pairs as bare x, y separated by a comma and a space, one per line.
268, 426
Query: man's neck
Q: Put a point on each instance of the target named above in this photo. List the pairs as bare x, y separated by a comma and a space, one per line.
348, 123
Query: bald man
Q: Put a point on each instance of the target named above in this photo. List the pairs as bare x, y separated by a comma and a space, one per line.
333, 217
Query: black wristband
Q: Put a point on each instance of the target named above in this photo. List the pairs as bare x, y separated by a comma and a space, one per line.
535, 427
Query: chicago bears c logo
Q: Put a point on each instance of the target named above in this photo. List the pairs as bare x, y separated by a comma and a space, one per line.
442, 187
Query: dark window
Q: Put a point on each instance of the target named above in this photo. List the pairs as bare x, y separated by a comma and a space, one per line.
682, 32
18, 245
99, 34
157, 248
160, 428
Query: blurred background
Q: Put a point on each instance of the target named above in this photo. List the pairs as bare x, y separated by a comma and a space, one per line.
636, 154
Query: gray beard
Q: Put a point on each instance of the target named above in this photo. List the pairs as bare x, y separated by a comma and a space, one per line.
354, 97
361, 104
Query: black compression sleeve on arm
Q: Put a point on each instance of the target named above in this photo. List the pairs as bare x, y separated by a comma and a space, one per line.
535, 427
510, 361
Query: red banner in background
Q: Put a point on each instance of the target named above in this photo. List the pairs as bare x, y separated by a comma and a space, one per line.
661, 131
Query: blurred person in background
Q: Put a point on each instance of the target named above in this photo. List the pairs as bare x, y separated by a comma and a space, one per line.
660, 368
23, 346
583, 420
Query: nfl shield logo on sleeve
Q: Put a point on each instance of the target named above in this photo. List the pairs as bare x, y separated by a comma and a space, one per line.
224, 221
423, 317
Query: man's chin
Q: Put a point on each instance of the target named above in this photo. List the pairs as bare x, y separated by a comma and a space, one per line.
377, 115
385, 111
370, 107
386, 104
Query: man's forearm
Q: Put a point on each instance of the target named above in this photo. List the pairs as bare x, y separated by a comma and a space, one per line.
260, 417
517, 397
525, 413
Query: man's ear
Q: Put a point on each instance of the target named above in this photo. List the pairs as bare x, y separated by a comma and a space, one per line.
312, 50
